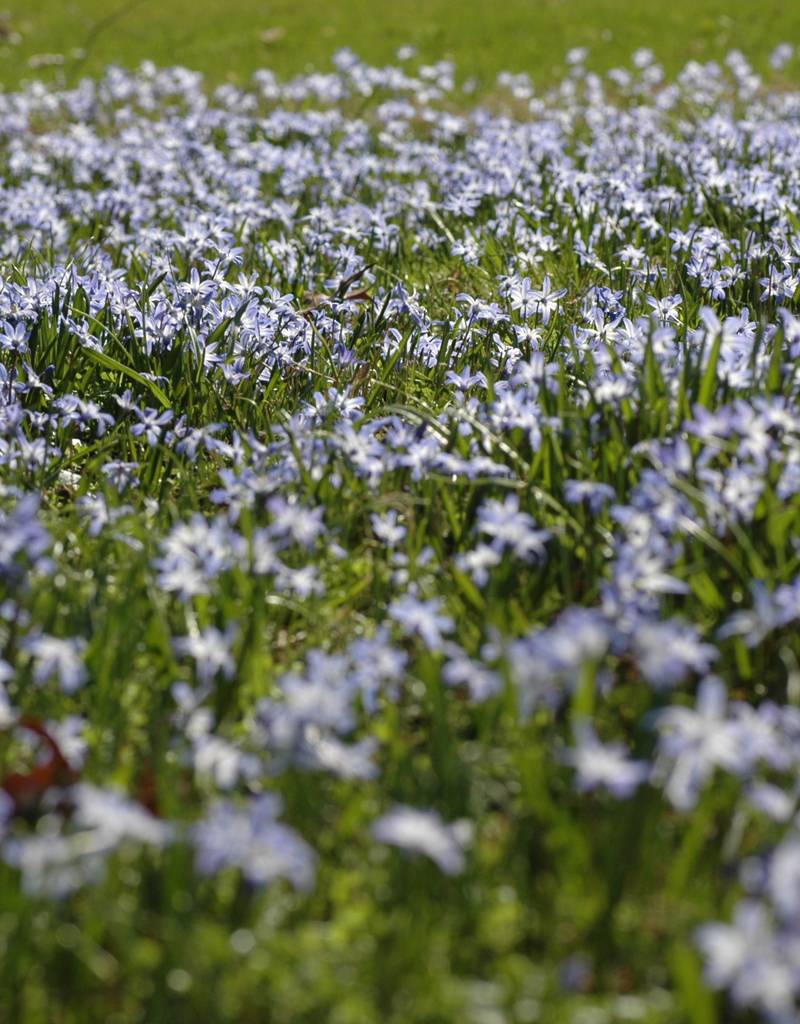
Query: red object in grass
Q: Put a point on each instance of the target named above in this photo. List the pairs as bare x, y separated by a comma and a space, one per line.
26, 789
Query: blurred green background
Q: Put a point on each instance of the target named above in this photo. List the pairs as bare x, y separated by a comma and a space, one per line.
229, 39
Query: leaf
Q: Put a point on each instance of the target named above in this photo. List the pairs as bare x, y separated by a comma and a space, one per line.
709, 381
775, 373
469, 590
697, 1001
110, 363
705, 590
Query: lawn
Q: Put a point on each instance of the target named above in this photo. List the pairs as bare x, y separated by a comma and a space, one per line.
228, 41
400, 517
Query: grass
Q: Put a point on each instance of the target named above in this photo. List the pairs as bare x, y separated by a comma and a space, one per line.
226, 41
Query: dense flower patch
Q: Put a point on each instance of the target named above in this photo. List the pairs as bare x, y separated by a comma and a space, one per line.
399, 547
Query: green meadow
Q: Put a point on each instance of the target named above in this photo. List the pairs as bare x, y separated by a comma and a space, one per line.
228, 41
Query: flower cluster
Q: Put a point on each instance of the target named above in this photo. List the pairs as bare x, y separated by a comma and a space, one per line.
343, 436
